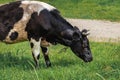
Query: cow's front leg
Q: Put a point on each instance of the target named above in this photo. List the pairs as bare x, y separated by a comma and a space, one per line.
46, 57
35, 45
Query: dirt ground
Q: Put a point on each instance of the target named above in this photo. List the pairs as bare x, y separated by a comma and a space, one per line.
100, 31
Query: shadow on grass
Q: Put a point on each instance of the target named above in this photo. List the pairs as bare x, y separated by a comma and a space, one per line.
8, 60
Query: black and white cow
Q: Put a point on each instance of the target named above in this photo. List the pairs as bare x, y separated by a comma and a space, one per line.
39, 22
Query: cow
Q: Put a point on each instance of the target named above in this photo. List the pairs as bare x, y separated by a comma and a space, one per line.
41, 24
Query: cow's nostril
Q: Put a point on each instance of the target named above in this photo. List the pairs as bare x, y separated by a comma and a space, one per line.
88, 53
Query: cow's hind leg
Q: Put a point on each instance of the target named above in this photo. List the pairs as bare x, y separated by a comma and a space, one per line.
46, 57
35, 45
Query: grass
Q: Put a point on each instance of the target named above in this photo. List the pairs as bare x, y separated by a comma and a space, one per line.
86, 9
17, 63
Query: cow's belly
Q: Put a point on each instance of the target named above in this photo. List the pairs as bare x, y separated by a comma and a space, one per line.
44, 43
22, 36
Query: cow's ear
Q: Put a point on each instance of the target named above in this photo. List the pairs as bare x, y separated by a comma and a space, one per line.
76, 36
67, 34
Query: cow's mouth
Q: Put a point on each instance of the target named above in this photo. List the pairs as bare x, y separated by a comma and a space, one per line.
87, 58
84, 57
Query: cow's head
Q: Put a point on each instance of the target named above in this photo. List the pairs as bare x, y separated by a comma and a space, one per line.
80, 45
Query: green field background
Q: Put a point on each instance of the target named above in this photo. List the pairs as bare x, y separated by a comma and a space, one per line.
16, 62
86, 9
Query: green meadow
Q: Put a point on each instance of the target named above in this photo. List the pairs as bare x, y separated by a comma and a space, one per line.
86, 9
16, 62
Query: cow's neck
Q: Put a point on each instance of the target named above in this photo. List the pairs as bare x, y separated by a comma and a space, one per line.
63, 35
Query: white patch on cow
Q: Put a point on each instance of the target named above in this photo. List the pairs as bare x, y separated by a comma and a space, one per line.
11, 31
25, 16
7, 39
36, 47
38, 6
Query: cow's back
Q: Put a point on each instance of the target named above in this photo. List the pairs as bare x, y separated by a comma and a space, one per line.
22, 12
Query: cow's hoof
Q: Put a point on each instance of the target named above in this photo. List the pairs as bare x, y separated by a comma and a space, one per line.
37, 66
48, 64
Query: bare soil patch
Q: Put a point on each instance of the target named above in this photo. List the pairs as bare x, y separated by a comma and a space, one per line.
100, 31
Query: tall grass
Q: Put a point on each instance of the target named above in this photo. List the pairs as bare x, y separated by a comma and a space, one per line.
86, 9
17, 63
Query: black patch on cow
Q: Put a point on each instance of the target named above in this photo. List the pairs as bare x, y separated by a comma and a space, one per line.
32, 45
44, 49
48, 24
9, 15
13, 35
37, 26
59, 25
46, 57
38, 56
57, 16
